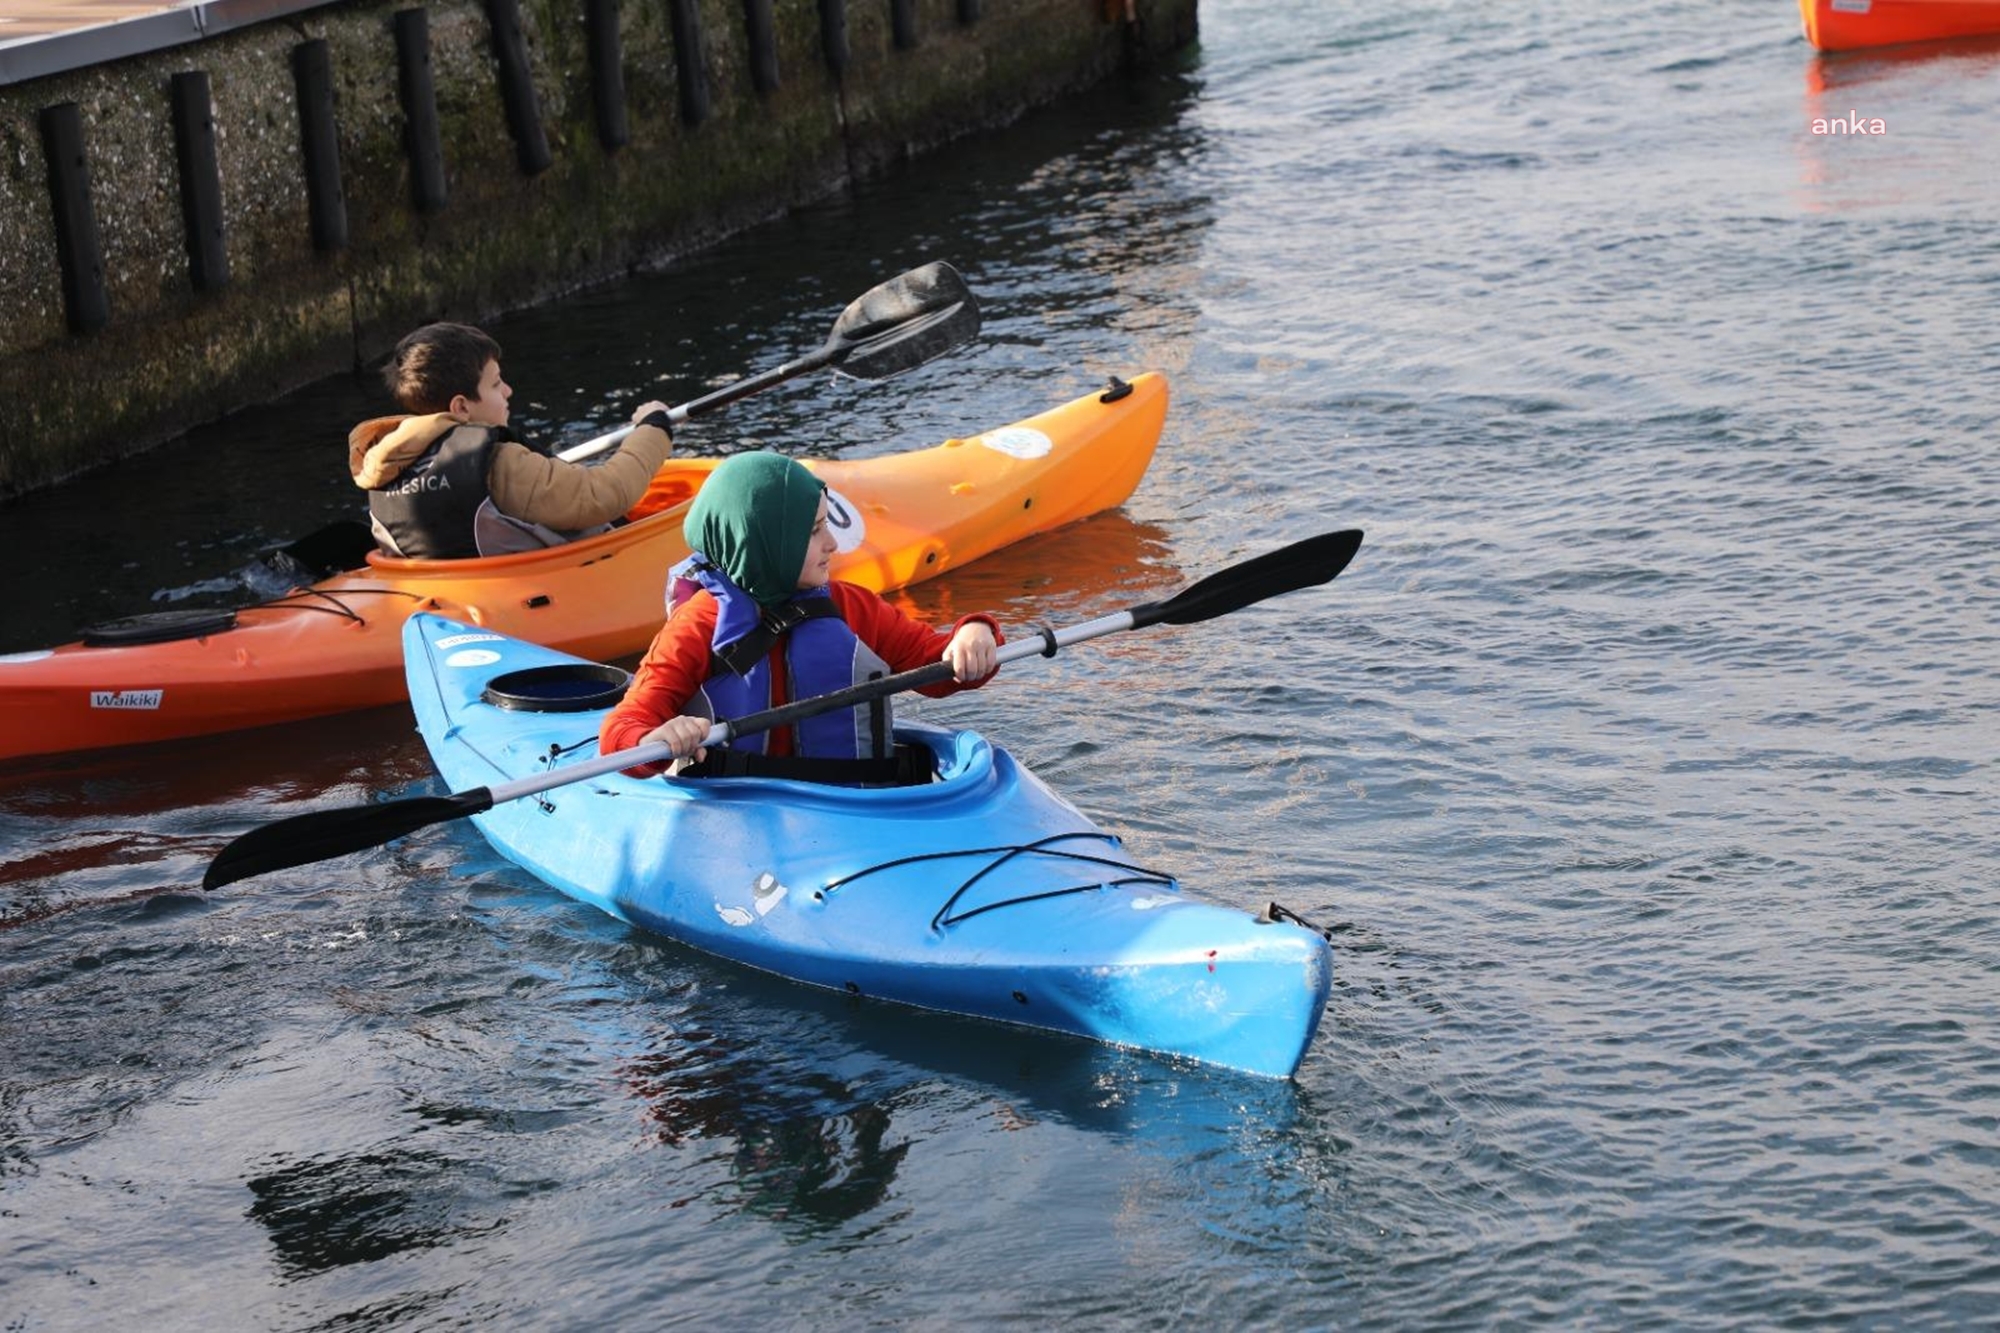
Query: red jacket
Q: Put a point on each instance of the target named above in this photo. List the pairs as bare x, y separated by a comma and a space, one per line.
677, 664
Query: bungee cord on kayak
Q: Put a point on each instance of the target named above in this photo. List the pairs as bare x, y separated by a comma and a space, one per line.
944, 916
159, 627
291, 601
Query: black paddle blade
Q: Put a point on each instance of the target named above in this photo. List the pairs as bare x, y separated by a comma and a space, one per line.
1305, 564
303, 839
334, 549
907, 321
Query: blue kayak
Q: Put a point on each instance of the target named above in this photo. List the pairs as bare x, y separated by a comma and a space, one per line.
981, 893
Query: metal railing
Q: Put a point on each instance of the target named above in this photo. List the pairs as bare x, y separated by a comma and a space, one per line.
39, 55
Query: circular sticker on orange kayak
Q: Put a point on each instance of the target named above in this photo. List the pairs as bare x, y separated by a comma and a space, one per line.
1018, 442
844, 520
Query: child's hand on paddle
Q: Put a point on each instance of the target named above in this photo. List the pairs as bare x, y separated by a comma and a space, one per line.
972, 652
684, 734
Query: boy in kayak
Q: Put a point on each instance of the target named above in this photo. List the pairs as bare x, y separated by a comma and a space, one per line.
448, 480
757, 621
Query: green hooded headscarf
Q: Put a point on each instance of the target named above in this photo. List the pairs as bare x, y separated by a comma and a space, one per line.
753, 517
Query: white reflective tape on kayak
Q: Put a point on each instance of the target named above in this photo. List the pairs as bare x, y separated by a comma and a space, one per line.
454, 640
473, 657
17, 659
1018, 442
844, 521
146, 699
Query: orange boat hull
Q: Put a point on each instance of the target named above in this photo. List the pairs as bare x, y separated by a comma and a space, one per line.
1847, 25
338, 645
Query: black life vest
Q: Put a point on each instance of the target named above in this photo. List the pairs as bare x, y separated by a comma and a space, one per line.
429, 510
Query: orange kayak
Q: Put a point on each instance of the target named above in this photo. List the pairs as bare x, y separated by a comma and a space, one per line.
337, 645
1844, 25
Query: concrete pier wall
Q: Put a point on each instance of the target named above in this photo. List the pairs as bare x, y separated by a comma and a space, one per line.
732, 111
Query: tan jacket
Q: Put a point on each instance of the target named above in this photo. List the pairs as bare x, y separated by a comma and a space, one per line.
524, 484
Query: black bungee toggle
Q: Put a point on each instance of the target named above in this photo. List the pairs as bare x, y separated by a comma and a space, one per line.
1277, 911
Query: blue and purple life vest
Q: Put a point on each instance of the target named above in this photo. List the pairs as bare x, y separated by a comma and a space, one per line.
822, 654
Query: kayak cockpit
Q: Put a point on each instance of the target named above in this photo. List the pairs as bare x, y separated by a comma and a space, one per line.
958, 762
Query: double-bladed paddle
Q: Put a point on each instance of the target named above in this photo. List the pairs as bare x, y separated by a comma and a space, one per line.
912, 318
304, 839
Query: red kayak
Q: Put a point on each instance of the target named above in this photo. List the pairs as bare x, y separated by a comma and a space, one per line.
1846, 25
337, 645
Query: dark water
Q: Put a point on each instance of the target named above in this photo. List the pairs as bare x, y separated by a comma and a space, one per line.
1643, 759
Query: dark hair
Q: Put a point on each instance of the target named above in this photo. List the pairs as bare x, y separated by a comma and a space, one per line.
437, 363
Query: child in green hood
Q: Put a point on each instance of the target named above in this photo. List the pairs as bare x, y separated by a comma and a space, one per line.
763, 622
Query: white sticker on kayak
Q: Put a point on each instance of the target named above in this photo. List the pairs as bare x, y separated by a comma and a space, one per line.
18, 659
454, 640
472, 657
1018, 442
844, 521
768, 893
146, 699
765, 894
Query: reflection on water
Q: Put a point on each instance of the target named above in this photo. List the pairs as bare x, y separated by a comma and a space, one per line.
1901, 88
821, 1100
326, 1212
111, 826
1969, 58
1105, 563
804, 1150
